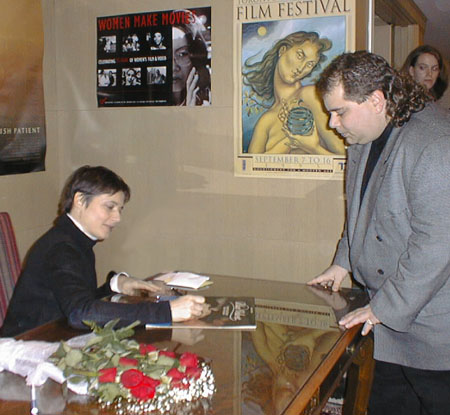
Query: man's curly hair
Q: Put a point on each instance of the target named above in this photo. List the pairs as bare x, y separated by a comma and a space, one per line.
361, 73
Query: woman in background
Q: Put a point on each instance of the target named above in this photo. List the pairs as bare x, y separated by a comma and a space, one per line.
59, 277
426, 66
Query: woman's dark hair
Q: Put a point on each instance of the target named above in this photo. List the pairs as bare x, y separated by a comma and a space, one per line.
90, 182
361, 73
441, 83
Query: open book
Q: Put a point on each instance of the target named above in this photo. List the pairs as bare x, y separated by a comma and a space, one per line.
220, 313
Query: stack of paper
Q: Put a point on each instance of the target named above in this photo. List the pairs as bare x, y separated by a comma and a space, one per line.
184, 279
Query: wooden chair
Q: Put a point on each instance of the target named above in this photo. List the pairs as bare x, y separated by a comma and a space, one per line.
9, 263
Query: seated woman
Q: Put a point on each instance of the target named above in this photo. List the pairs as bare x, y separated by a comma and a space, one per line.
59, 277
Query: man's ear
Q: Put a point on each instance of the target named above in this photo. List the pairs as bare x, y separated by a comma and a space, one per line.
378, 100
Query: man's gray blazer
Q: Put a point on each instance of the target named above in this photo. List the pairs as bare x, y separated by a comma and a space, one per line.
397, 243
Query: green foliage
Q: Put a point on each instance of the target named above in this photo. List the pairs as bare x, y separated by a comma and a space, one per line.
253, 103
110, 391
104, 350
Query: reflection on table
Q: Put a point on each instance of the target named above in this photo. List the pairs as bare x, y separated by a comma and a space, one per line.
276, 362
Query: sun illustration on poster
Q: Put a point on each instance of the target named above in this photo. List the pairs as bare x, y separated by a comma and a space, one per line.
262, 31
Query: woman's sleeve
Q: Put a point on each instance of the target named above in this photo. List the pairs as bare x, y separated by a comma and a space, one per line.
74, 287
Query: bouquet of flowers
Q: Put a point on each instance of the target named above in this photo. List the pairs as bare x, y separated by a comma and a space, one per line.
134, 377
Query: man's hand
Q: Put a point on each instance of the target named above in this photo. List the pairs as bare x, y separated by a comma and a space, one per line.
132, 286
358, 316
331, 277
334, 299
187, 307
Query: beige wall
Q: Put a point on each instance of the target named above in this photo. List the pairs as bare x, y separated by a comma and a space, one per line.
187, 210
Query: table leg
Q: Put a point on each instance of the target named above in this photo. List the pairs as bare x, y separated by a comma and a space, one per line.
359, 380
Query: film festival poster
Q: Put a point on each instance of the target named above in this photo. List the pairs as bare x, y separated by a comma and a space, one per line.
160, 58
22, 113
281, 47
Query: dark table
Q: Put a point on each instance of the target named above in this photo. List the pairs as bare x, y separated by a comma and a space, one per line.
290, 364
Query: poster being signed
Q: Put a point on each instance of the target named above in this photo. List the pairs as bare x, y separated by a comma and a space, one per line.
154, 59
281, 127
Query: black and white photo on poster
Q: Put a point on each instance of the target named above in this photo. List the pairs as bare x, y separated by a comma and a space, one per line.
160, 58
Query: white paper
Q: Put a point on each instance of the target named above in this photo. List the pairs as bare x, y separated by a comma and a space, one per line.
29, 359
183, 279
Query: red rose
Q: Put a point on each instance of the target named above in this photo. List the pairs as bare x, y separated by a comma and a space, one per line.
147, 380
189, 359
167, 353
193, 372
143, 392
126, 361
146, 348
175, 374
131, 378
107, 375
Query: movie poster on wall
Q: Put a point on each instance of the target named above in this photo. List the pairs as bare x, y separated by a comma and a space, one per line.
22, 112
160, 58
281, 47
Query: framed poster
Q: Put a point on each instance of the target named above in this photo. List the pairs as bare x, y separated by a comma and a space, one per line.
22, 112
281, 127
154, 59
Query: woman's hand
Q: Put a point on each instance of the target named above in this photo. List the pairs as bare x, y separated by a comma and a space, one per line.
309, 142
187, 307
132, 285
331, 277
191, 87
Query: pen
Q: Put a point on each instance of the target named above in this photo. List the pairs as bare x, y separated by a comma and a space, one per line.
160, 298
34, 407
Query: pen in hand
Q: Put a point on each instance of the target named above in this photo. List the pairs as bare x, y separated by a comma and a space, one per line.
34, 407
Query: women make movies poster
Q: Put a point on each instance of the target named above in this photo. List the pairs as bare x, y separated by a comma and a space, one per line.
154, 59
281, 126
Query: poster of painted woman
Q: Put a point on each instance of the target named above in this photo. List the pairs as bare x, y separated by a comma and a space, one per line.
281, 127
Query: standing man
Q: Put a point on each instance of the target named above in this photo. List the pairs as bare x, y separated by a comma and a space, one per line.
396, 241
